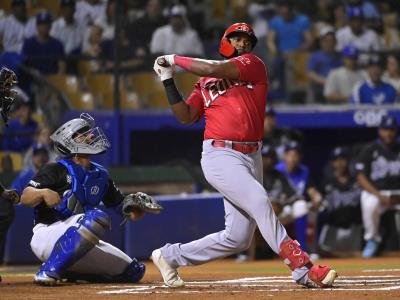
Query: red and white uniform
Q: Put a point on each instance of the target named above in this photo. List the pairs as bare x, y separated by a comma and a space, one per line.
234, 112
234, 109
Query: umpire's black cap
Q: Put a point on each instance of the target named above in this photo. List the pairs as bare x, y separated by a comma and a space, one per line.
340, 152
388, 122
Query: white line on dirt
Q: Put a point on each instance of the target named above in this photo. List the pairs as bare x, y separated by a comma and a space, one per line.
381, 270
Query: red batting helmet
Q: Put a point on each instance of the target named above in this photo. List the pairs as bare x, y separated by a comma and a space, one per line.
225, 47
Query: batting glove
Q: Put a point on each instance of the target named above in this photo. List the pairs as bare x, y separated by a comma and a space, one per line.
169, 58
163, 73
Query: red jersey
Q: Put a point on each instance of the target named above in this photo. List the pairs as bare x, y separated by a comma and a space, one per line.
234, 109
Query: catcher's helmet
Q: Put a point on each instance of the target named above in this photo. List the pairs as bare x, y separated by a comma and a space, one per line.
225, 47
79, 136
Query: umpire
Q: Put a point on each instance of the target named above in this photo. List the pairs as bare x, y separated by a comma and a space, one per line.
7, 197
378, 174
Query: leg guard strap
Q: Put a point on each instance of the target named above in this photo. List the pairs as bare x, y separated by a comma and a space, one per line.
293, 256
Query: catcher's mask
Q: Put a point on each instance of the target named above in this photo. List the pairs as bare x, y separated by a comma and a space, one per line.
7, 95
225, 47
79, 136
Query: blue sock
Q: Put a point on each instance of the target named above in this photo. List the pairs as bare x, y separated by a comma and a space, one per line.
301, 231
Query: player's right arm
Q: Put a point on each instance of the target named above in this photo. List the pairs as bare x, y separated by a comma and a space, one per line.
32, 196
42, 187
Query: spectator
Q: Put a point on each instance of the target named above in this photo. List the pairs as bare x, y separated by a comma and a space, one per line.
18, 135
340, 82
286, 202
278, 137
40, 156
378, 174
16, 27
342, 228
299, 176
368, 9
87, 11
390, 38
42, 137
143, 28
67, 29
339, 15
392, 73
321, 62
43, 52
106, 21
373, 90
356, 34
176, 37
288, 31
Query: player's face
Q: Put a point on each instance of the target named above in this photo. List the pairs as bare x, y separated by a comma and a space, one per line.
387, 135
375, 73
340, 165
292, 159
241, 42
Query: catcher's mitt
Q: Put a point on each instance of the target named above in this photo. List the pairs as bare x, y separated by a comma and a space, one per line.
7, 95
140, 202
11, 195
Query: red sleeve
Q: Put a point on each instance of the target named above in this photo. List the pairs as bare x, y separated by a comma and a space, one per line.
251, 68
196, 100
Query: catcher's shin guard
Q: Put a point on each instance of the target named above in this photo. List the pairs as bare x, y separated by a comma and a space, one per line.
72, 245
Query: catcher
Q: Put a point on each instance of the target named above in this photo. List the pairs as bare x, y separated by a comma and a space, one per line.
68, 224
7, 197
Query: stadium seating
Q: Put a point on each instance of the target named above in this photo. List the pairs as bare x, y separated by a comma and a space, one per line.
185, 82
70, 85
16, 159
82, 101
149, 89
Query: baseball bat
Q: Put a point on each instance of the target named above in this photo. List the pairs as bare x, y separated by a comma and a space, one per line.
162, 62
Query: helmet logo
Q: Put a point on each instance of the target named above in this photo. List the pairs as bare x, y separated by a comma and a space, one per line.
94, 190
243, 28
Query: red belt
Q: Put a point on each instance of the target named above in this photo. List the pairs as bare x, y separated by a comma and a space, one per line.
245, 148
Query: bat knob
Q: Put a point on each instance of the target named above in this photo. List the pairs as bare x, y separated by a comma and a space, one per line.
162, 62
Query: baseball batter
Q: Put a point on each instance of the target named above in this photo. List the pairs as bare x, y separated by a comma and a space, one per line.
231, 96
68, 223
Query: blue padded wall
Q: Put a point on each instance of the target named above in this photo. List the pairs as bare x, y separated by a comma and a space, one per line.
182, 220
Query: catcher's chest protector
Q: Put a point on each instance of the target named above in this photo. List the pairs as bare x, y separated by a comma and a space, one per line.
88, 186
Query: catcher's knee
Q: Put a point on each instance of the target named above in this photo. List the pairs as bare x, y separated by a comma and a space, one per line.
94, 224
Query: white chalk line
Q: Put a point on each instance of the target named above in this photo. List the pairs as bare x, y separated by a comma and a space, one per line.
267, 284
381, 270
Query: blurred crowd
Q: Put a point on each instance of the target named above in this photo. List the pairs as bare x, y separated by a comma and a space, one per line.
322, 51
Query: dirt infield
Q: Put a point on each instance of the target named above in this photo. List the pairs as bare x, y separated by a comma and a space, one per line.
358, 279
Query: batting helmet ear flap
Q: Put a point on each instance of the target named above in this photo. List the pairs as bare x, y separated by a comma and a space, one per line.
226, 49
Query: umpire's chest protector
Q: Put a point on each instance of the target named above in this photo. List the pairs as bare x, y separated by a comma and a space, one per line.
88, 186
